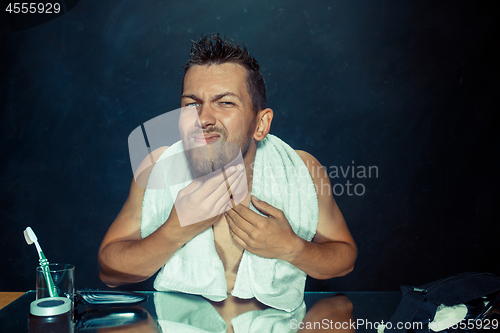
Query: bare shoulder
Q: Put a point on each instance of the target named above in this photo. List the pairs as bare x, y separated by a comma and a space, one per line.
331, 223
304, 155
315, 168
319, 177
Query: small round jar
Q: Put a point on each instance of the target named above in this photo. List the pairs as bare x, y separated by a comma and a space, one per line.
51, 314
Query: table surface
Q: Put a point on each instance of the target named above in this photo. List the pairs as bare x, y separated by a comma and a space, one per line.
370, 307
7, 297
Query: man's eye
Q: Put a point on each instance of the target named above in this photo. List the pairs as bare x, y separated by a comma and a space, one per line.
193, 104
227, 103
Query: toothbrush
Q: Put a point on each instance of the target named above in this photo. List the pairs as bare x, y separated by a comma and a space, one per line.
31, 238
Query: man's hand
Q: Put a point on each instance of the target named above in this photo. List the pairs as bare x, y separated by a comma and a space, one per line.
268, 236
200, 204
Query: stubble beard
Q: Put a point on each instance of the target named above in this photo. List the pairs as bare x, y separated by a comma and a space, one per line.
206, 159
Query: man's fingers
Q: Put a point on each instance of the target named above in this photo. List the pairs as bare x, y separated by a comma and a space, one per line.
240, 222
219, 178
209, 196
237, 228
219, 198
238, 240
234, 184
265, 208
223, 191
239, 188
252, 217
208, 185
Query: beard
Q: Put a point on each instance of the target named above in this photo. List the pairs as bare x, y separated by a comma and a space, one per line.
207, 158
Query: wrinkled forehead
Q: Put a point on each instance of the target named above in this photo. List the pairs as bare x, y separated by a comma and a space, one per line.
215, 78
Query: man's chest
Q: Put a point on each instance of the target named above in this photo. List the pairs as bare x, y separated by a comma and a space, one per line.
229, 251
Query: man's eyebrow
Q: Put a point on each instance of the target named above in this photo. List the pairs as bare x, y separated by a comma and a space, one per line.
215, 98
219, 96
190, 96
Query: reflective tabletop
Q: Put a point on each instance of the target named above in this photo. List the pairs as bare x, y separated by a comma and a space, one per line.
174, 312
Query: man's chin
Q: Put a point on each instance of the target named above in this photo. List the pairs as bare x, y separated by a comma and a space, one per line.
208, 158
200, 171
199, 161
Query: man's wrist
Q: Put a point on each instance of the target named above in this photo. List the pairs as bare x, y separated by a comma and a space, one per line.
295, 250
173, 233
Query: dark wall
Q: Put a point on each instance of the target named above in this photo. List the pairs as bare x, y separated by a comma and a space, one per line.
408, 87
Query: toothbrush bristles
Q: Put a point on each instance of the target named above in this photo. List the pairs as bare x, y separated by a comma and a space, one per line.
27, 237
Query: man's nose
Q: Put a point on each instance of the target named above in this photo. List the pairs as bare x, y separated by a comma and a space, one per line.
206, 116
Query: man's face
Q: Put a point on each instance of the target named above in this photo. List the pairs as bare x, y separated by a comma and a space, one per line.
218, 120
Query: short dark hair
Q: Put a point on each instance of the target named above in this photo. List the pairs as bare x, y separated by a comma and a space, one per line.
214, 49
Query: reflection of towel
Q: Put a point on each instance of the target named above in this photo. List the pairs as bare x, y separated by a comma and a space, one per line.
181, 313
280, 178
187, 313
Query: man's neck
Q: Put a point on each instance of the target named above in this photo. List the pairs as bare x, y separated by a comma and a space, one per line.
249, 159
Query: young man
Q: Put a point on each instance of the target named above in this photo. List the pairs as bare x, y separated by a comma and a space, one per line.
239, 257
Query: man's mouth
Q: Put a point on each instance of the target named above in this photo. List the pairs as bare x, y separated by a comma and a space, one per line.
206, 139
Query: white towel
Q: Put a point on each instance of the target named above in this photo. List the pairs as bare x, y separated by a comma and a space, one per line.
280, 178
181, 313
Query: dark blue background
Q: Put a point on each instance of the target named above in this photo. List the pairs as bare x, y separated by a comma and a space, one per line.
408, 86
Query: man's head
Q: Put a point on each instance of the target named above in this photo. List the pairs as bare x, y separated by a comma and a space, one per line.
215, 50
220, 118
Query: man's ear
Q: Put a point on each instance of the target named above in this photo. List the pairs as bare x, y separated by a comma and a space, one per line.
263, 126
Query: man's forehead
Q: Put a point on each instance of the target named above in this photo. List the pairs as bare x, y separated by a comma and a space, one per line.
223, 77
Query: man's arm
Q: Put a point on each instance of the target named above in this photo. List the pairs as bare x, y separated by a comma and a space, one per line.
331, 253
125, 257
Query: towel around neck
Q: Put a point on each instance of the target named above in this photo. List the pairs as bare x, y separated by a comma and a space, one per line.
280, 178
